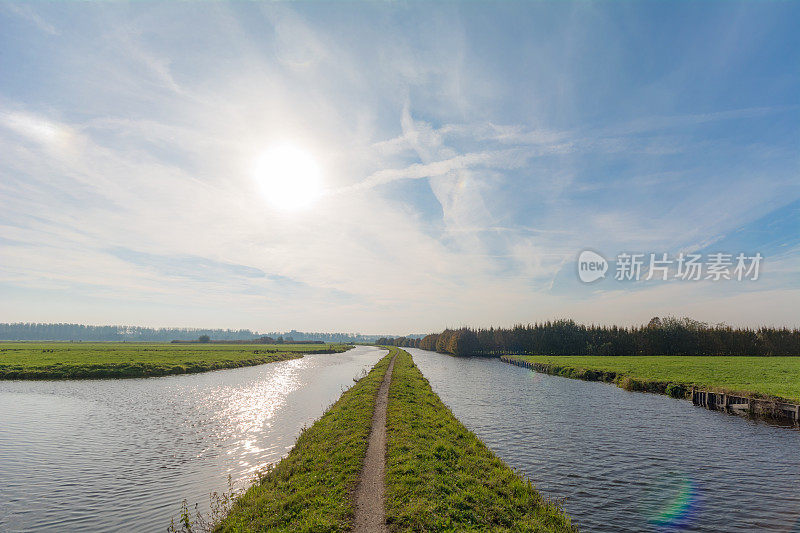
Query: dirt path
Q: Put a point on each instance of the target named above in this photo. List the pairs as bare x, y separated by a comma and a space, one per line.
370, 514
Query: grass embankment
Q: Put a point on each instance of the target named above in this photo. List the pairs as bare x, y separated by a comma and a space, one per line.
84, 360
311, 489
440, 477
765, 377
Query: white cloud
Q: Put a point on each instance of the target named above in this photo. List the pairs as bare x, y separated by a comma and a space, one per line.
153, 155
27, 12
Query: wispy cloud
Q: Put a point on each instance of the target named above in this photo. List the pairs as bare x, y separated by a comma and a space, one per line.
28, 13
464, 167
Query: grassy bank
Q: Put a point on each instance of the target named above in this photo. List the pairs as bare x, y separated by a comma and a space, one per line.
83, 360
311, 489
440, 477
766, 377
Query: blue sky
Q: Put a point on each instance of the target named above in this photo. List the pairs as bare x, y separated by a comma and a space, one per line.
468, 153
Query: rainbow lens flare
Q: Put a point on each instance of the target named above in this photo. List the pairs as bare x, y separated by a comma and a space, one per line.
673, 504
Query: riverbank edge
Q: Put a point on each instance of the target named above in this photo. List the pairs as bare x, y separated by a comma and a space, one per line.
313, 487
759, 405
441, 477
64, 372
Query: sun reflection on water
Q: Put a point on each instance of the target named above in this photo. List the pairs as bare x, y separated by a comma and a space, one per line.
248, 412
131, 450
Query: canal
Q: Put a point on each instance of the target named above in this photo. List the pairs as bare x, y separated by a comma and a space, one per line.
121, 455
625, 461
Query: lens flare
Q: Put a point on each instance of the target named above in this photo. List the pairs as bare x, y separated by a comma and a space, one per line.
673, 504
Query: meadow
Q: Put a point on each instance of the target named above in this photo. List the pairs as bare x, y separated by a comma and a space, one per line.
91, 360
767, 377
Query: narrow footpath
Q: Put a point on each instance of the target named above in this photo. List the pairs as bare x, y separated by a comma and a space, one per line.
370, 514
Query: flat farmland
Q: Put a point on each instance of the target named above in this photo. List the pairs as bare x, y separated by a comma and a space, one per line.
87, 360
760, 376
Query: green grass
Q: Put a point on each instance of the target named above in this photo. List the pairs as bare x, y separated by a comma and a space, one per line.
311, 489
89, 360
441, 477
756, 376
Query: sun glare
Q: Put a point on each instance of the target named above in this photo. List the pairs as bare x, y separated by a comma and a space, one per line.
289, 177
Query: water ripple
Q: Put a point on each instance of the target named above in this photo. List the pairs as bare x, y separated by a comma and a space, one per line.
120, 455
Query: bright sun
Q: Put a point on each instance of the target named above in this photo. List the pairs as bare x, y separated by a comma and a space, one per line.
289, 177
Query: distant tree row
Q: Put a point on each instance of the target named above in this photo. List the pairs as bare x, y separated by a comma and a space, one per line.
662, 336
348, 338
407, 342
80, 332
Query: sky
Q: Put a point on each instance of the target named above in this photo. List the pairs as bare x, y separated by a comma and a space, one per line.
464, 154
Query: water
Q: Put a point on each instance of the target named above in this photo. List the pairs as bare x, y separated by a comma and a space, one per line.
120, 455
624, 461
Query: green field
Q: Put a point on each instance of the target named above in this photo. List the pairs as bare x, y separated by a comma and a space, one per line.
311, 489
756, 376
441, 477
89, 360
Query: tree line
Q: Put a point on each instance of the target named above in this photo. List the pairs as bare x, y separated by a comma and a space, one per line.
661, 336
34, 331
31, 331
403, 342
347, 338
